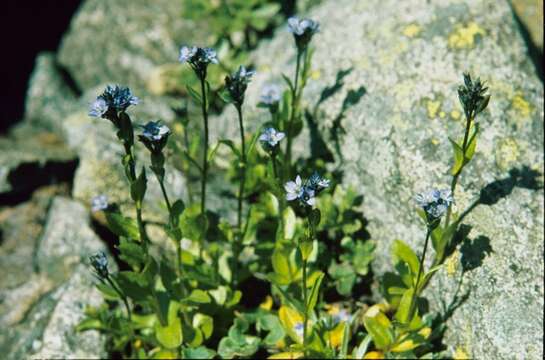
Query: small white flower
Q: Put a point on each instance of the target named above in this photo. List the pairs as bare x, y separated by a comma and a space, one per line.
270, 94
185, 244
342, 315
271, 137
244, 75
210, 56
317, 182
99, 203
294, 189
187, 53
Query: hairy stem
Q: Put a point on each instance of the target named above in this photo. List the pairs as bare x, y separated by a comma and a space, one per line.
123, 297
294, 105
205, 154
238, 246
422, 258
454, 181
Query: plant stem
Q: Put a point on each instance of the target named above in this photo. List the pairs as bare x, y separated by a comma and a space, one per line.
179, 269
305, 301
238, 245
454, 181
189, 192
138, 205
294, 105
123, 297
422, 258
205, 155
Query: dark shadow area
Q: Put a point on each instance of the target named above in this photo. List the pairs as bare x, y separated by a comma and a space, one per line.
474, 251
522, 177
254, 292
535, 54
26, 29
29, 176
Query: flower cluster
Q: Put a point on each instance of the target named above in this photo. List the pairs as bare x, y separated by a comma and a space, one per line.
99, 203
114, 99
472, 96
99, 262
237, 84
305, 192
270, 138
435, 203
302, 30
154, 136
198, 58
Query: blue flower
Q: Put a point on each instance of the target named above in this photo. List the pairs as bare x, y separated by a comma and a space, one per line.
187, 53
154, 131
270, 137
298, 328
317, 182
98, 108
270, 94
99, 203
435, 202
305, 192
113, 100
99, 262
237, 84
342, 315
300, 27
198, 58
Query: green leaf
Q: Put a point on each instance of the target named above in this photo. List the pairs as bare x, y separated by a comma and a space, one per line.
472, 144
404, 310
138, 187
108, 292
198, 296
288, 81
177, 210
133, 285
229, 143
170, 280
458, 157
122, 226
131, 252
200, 352
205, 323
378, 327
402, 252
282, 266
89, 324
306, 247
194, 94
289, 223
344, 344
225, 95
360, 351
314, 217
170, 336
314, 292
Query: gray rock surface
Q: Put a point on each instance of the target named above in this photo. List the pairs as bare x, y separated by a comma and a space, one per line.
407, 59
123, 41
44, 297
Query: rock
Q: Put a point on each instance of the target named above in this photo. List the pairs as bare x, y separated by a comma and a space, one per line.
30, 157
530, 13
384, 82
44, 297
123, 41
49, 98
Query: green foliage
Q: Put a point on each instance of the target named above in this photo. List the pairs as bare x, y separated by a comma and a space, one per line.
310, 256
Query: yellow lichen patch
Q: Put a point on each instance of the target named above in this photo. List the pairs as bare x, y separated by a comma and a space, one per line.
507, 153
460, 354
442, 114
433, 108
521, 106
451, 263
455, 114
435, 141
464, 36
412, 30
315, 74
